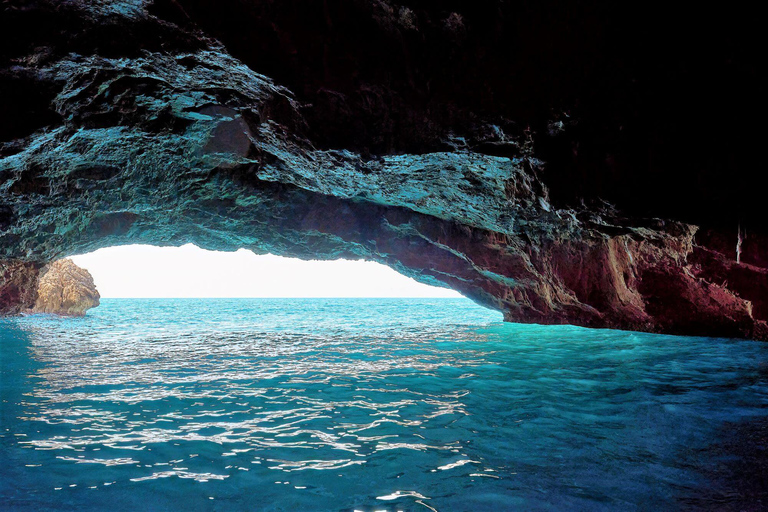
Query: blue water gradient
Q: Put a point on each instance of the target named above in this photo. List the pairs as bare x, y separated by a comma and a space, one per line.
372, 404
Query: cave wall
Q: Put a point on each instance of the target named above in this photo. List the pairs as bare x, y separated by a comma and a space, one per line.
18, 285
471, 146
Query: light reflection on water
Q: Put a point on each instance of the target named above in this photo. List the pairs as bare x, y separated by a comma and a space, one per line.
367, 404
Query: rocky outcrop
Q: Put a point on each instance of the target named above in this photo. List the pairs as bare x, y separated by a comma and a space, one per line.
65, 289
482, 176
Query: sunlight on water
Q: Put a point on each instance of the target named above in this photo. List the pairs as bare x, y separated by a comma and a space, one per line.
371, 404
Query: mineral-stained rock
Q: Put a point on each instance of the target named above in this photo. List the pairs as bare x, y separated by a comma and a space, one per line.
454, 142
18, 285
65, 289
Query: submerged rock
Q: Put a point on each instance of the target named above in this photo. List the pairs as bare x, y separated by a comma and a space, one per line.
65, 289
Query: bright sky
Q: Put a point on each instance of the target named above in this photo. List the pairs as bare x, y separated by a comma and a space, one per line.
188, 271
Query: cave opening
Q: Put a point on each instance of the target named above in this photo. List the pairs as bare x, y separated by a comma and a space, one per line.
145, 271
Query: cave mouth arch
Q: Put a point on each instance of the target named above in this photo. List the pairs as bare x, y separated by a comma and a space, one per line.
145, 271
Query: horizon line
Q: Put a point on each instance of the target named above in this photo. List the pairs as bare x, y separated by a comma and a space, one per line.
286, 297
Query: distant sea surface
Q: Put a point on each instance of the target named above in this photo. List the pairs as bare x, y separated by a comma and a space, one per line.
372, 404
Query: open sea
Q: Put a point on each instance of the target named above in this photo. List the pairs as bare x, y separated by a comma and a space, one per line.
372, 405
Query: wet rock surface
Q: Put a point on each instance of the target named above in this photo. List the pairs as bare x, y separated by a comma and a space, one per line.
65, 289
406, 134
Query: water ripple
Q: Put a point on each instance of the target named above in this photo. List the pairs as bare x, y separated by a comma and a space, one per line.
420, 404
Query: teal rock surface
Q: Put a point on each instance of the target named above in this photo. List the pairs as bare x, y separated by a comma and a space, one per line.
139, 122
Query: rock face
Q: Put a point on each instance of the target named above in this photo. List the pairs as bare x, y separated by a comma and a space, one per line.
65, 289
18, 285
469, 146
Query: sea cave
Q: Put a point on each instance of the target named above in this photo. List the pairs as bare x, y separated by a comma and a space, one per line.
588, 170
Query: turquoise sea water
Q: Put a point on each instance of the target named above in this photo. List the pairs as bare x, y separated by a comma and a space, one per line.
372, 404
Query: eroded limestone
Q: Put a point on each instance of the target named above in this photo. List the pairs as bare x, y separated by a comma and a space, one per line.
65, 289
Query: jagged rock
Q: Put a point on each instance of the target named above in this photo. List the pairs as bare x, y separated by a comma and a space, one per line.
65, 289
423, 139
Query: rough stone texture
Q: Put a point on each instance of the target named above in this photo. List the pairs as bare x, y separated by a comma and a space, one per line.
18, 285
65, 289
426, 137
